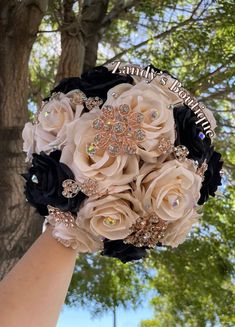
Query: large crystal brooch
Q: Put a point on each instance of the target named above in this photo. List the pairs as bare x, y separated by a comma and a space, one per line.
118, 131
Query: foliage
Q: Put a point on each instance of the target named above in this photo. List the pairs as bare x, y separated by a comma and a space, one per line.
102, 283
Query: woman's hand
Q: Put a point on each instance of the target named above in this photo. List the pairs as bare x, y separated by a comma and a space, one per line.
33, 292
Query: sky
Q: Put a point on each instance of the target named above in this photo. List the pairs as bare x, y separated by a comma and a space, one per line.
75, 317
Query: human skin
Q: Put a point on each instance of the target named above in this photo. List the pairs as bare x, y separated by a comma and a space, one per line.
33, 292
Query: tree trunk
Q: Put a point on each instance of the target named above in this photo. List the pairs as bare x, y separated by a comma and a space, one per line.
19, 225
80, 35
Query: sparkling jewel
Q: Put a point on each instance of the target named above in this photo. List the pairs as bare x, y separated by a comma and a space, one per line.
175, 203
195, 164
115, 95
181, 152
93, 102
98, 123
201, 135
164, 145
138, 116
109, 221
146, 231
78, 97
113, 149
202, 169
34, 179
107, 111
154, 114
140, 135
91, 149
89, 187
119, 131
71, 188
119, 128
46, 113
171, 106
124, 109
66, 218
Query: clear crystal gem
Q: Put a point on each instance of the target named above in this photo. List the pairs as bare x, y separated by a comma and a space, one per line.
97, 123
113, 149
139, 135
34, 179
175, 203
118, 128
124, 109
154, 114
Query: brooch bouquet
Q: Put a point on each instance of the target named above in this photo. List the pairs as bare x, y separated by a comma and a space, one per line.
118, 164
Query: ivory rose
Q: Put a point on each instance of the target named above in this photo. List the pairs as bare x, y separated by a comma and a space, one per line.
110, 216
108, 171
152, 101
170, 190
178, 230
51, 131
78, 238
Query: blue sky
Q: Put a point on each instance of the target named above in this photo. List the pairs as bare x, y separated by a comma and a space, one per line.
75, 317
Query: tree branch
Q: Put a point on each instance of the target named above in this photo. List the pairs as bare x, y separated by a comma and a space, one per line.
118, 8
156, 37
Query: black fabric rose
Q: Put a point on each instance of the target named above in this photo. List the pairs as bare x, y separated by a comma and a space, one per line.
212, 177
159, 70
44, 184
95, 82
191, 134
124, 252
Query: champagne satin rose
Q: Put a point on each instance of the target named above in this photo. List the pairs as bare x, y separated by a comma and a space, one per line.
109, 217
76, 237
50, 132
106, 170
152, 101
170, 190
178, 230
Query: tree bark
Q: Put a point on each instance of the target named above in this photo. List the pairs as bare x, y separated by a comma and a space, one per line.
80, 35
19, 226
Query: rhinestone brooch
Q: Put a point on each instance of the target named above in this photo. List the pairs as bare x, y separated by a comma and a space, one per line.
165, 145
181, 152
78, 98
61, 217
202, 169
72, 188
118, 131
146, 231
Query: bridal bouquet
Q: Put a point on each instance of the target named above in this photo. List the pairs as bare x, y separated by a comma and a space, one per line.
118, 164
